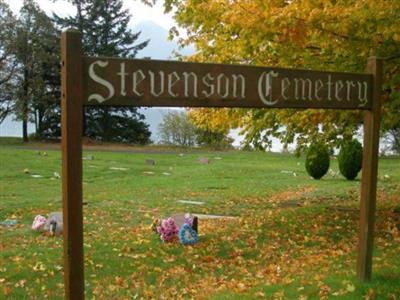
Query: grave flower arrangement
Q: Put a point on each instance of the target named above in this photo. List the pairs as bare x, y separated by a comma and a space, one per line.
169, 230
38, 223
53, 225
187, 235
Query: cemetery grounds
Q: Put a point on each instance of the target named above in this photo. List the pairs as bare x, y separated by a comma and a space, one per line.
287, 236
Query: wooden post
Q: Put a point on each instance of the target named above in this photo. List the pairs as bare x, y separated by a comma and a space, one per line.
71, 128
372, 119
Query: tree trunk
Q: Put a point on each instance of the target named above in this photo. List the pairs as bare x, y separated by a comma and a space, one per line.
105, 123
25, 119
25, 129
36, 121
40, 121
25, 104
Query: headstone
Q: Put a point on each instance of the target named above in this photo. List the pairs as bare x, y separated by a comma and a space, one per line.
54, 223
180, 220
150, 162
195, 224
204, 160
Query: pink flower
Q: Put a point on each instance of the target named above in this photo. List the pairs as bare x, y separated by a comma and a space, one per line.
38, 222
168, 229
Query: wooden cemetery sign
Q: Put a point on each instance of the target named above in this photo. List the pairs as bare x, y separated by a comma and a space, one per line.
133, 82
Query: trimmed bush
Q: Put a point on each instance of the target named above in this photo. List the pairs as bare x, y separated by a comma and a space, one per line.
317, 160
350, 159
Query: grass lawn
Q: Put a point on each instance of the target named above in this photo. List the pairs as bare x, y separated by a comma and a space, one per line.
292, 238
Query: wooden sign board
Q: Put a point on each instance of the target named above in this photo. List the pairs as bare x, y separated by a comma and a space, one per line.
134, 82
113, 81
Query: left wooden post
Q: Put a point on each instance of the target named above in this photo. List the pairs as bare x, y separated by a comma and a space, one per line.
71, 131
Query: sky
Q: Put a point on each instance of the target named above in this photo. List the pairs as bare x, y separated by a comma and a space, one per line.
140, 12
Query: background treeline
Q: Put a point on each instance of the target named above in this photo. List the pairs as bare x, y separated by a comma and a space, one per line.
30, 70
178, 129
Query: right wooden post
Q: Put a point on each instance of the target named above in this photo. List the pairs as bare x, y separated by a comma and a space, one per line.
372, 119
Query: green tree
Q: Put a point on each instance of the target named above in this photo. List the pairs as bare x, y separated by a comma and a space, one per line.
35, 44
176, 129
311, 34
8, 63
104, 24
213, 139
393, 138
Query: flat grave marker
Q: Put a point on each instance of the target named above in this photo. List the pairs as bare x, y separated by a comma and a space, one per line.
150, 162
204, 160
190, 202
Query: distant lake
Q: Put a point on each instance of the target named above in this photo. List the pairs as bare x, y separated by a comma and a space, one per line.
10, 127
154, 116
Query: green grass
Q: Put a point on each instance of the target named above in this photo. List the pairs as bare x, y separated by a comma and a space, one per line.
294, 237
10, 141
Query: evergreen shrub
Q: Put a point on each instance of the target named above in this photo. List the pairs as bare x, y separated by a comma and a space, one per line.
317, 160
350, 159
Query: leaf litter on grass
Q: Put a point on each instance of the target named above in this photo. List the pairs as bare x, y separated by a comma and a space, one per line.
275, 249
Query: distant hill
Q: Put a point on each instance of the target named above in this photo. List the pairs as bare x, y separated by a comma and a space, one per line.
159, 46
154, 117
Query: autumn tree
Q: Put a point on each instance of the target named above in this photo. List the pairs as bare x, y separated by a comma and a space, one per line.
321, 35
104, 24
